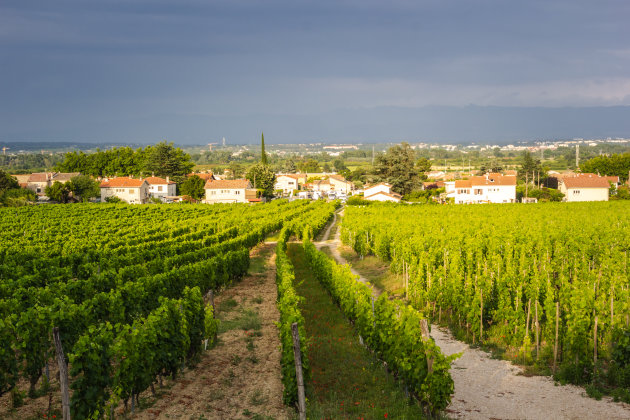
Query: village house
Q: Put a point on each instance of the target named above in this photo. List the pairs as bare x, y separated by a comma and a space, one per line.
322, 185
584, 187
22, 179
161, 188
491, 188
130, 190
339, 183
230, 191
381, 192
287, 183
37, 182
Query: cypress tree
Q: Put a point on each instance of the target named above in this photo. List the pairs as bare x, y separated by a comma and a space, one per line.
263, 157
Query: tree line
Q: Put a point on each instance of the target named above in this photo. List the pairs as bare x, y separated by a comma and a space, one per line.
162, 159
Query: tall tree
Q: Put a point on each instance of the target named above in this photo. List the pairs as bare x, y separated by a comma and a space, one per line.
397, 167
84, 187
7, 182
423, 165
262, 178
617, 164
193, 186
263, 155
164, 159
530, 167
58, 192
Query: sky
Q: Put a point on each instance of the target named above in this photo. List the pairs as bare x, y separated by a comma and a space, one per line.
194, 71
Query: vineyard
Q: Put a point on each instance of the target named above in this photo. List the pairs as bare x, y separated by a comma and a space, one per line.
124, 287
548, 284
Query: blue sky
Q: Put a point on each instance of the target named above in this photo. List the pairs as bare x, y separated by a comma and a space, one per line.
193, 71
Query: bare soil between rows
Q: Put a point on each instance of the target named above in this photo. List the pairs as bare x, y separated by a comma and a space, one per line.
238, 378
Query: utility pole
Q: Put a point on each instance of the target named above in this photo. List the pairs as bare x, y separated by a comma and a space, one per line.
372, 155
577, 156
526, 183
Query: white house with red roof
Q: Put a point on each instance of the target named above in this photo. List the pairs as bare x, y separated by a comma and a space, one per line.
130, 190
339, 183
490, 188
287, 182
381, 192
229, 191
584, 187
160, 187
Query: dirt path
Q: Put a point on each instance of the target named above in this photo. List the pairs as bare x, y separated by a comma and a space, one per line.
333, 246
240, 377
487, 388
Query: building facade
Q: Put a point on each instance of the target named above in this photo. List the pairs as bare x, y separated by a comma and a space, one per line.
229, 191
129, 190
161, 188
490, 188
584, 187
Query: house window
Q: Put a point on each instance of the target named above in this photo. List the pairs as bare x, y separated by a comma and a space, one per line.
39, 190
130, 190
159, 188
575, 192
478, 191
237, 192
213, 192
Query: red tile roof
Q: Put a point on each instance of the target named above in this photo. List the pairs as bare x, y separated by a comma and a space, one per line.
613, 179
40, 177
227, 183
367, 187
493, 179
122, 182
393, 195
339, 178
154, 180
65, 176
205, 177
585, 181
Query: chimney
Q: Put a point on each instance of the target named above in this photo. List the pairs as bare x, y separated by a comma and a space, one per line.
167, 179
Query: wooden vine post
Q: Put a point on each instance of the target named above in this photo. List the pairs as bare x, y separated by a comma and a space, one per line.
63, 375
373, 316
537, 332
595, 344
529, 307
298, 371
481, 319
555, 346
424, 327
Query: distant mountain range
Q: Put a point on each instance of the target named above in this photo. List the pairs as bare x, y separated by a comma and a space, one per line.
440, 124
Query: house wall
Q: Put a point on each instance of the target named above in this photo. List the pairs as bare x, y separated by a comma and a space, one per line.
286, 184
486, 193
131, 195
585, 194
225, 195
322, 187
340, 185
162, 190
38, 187
378, 188
381, 197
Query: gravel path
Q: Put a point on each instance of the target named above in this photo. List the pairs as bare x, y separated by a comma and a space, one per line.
487, 388
333, 246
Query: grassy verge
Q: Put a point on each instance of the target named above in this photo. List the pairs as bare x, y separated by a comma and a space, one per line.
374, 270
347, 380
